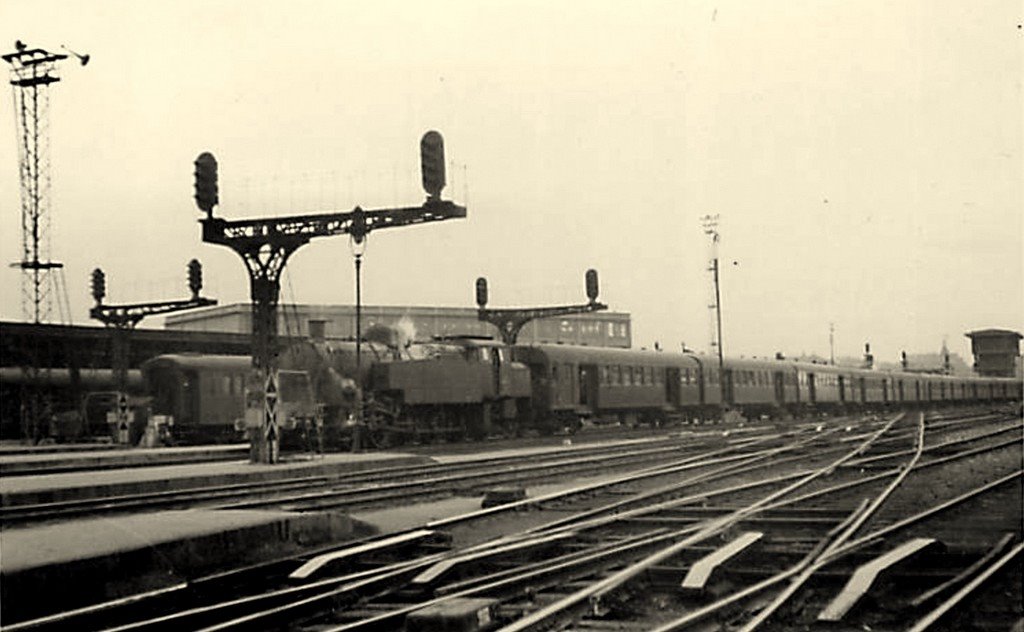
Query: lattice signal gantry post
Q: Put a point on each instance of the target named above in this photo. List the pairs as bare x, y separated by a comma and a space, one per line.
33, 71
122, 318
511, 321
265, 246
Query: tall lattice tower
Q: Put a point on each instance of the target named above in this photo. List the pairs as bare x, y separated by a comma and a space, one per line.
33, 71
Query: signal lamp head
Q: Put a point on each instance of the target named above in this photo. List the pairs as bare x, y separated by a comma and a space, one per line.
195, 277
432, 163
481, 292
206, 182
99, 285
591, 280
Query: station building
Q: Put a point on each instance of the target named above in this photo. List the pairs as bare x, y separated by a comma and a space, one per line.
996, 352
420, 323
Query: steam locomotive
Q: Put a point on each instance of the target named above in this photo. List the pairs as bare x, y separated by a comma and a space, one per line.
469, 387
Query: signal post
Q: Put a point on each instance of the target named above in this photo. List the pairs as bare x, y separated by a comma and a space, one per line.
124, 317
511, 321
265, 246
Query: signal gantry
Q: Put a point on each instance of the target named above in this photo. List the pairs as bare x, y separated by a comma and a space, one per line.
265, 246
122, 318
510, 321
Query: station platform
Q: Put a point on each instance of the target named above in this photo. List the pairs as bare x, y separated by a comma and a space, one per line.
88, 561
26, 490
83, 562
97, 559
73, 458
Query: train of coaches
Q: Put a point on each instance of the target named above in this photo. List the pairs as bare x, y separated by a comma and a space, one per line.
474, 388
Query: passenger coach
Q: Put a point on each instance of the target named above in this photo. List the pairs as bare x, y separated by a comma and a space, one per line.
574, 383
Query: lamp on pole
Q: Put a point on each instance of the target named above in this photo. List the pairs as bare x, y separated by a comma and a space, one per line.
357, 244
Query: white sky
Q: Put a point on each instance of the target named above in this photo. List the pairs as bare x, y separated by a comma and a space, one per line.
865, 157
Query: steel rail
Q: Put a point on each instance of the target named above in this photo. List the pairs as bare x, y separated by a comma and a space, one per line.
692, 461
64, 617
749, 591
164, 498
415, 606
765, 613
887, 473
449, 482
581, 518
966, 573
929, 619
688, 463
338, 586
515, 579
836, 554
596, 591
611, 551
1016, 426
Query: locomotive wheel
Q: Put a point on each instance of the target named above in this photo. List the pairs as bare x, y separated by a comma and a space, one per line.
381, 417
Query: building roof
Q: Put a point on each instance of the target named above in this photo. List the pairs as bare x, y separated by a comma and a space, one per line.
985, 333
325, 311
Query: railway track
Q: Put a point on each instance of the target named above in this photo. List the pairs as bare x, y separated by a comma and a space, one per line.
621, 553
391, 484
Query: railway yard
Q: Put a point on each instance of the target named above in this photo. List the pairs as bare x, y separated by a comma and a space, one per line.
893, 520
336, 437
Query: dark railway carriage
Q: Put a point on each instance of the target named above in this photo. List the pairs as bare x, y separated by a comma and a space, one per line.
873, 386
574, 383
759, 387
204, 395
818, 384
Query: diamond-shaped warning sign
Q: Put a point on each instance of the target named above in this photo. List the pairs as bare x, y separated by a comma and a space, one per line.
270, 407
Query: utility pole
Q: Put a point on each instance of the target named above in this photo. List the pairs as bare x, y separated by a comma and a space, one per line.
123, 318
831, 344
511, 321
710, 224
266, 244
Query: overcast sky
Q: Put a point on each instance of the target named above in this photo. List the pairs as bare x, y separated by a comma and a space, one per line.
865, 157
